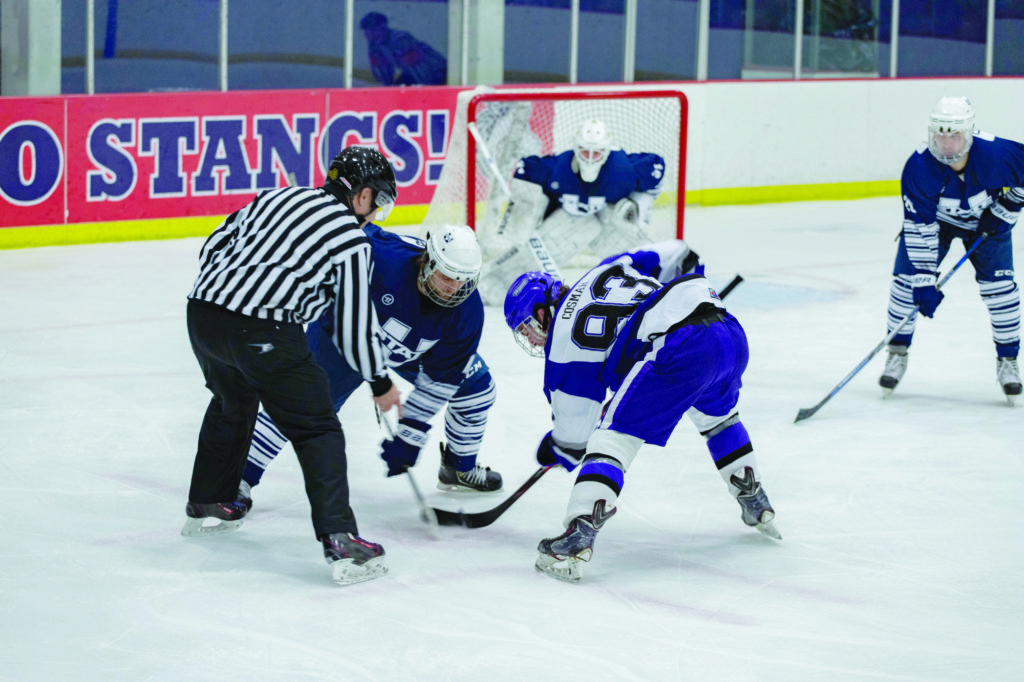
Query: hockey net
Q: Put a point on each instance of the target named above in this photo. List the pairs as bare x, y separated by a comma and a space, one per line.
513, 123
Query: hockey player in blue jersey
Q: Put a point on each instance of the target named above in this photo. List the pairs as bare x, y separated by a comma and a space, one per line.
634, 328
964, 184
594, 196
430, 318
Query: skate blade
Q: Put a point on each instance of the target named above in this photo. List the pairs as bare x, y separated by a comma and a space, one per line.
567, 570
456, 488
347, 572
768, 528
886, 392
195, 528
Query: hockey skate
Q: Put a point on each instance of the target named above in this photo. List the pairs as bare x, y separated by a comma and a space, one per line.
226, 517
1008, 373
757, 510
477, 480
353, 559
895, 368
245, 495
560, 557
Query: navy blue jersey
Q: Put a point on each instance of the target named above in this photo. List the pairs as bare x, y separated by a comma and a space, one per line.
936, 196
621, 175
436, 344
416, 332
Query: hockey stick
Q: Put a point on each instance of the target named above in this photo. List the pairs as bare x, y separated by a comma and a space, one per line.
486, 518
427, 515
492, 165
730, 286
808, 412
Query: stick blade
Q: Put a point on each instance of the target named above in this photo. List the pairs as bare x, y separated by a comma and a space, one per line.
449, 518
804, 413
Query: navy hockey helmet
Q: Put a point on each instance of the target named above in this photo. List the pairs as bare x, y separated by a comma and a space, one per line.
357, 167
530, 293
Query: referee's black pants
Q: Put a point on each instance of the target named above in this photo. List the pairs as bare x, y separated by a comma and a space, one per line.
247, 361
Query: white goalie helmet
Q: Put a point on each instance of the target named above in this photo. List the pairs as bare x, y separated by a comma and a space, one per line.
592, 146
951, 129
451, 265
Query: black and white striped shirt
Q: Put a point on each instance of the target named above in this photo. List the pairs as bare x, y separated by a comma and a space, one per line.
288, 256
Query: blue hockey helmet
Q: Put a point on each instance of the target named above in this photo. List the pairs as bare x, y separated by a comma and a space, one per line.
530, 293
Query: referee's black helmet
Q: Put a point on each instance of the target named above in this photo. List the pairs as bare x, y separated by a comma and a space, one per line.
357, 167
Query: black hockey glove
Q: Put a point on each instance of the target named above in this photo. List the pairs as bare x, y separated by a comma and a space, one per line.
549, 453
401, 452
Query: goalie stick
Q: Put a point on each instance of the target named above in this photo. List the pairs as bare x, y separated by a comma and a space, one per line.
808, 412
427, 515
486, 518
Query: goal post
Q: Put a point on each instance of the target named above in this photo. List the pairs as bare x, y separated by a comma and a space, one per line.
512, 123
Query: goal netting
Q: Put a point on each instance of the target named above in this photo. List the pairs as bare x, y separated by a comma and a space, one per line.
513, 123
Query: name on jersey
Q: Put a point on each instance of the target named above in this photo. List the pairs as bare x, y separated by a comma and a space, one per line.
571, 301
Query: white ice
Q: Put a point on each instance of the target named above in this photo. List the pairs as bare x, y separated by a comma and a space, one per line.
902, 518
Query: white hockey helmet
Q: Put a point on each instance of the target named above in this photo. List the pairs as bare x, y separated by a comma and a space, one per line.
451, 266
592, 146
951, 129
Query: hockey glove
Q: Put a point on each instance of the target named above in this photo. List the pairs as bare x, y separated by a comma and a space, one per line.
991, 224
549, 453
401, 452
926, 296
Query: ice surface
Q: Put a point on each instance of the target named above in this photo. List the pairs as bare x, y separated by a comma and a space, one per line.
902, 517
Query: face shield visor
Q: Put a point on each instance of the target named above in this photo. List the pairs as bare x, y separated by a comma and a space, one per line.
384, 202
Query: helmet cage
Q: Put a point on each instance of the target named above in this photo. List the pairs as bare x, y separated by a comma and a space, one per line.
452, 257
592, 145
528, 295
951, 129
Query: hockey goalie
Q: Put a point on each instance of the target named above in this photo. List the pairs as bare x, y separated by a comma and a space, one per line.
594, 197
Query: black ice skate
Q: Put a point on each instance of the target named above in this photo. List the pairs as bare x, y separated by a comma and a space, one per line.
245, 495
757, 510
895, 368
353, 559
225, 517
1008, 373
560, 557
477, 480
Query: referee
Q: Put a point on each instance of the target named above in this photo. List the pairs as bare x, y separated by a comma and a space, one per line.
269, 268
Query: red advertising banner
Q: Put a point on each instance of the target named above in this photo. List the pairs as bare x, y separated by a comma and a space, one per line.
81, 159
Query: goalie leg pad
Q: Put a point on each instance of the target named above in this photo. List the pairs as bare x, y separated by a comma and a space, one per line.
567, 235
